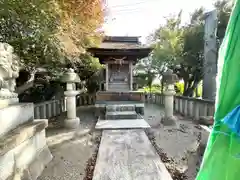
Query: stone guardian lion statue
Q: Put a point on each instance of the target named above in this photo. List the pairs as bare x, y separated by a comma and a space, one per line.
9, 71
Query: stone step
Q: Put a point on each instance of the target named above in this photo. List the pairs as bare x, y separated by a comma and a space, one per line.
122, 124
14, 115
24, 152
117, 115
120, 107
128, 155
118, 87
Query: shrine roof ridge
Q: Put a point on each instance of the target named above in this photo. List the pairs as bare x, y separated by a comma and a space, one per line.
120, 43
129, 39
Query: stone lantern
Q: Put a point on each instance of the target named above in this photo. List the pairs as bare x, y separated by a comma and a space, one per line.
70, 78
169, 79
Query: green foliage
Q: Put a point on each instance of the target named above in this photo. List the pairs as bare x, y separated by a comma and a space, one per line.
224, 8
179, 88
181, 48
145, 72
29, 28
89, 70
167, 42
52, 34
47, 33
154, 89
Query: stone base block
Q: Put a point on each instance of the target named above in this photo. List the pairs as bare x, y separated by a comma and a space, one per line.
17, 160
72, 123
206, 120
121, 115
14, 115
169, 121
120, 107
35, 169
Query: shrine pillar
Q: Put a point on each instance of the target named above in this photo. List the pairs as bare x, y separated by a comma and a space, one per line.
107, 78
131, 75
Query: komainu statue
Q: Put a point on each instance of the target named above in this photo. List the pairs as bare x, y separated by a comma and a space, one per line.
9, 71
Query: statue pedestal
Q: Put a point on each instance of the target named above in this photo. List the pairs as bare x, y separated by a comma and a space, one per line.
21, 135
72, 121
7, 98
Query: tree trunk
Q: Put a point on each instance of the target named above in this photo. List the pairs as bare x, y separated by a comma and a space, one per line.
190, 90
162, 86
24, 87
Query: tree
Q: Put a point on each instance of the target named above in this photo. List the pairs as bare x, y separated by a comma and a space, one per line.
181, 48
50, 33
29, 29
224, 9
145, 72
168, 44
190, 68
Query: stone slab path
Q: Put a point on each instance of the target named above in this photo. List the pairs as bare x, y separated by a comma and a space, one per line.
122, 124
128, 155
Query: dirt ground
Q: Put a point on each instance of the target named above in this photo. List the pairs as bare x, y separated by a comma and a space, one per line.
180, 144
72, 150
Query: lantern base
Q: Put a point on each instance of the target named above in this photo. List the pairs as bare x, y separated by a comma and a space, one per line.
72, 123
169, 121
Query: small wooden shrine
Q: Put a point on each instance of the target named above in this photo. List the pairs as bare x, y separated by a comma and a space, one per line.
119, 54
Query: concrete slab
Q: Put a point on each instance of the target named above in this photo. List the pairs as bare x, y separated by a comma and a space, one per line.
122, 124
128, 155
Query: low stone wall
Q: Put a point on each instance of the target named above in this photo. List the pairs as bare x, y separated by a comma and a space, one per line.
85, 99
194, 107
49, 109
187, 106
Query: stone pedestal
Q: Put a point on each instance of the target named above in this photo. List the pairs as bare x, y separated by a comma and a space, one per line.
23, 147
72, 121
169, 118
7, 98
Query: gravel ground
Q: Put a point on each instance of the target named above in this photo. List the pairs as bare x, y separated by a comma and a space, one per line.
179, 148
74, 152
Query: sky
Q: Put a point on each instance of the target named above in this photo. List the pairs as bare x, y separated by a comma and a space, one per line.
142, 17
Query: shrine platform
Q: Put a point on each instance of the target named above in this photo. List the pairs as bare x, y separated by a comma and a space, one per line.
105, 98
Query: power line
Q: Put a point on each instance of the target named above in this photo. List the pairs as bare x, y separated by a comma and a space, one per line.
126, 11
132, 4
129, 8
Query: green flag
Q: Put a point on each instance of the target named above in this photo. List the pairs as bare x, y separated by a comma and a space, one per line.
221, 159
